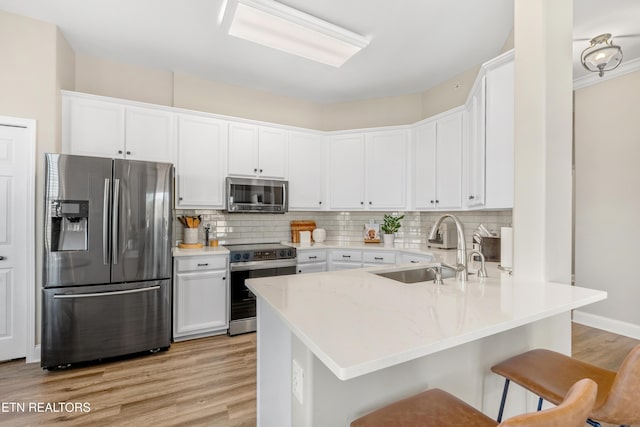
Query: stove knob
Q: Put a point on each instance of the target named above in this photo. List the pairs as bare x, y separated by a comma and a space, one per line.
236, 257
245, 255
290, 253
282, 254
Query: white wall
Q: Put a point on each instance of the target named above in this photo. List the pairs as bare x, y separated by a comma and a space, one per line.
607, 198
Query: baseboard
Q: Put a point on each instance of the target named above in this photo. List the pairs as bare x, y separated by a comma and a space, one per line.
607, 324
34, 357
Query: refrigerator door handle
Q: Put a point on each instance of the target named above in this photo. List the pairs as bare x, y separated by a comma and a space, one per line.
106, 294
114, 220
105, 222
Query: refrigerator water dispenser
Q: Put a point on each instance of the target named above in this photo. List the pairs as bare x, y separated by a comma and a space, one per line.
69, 225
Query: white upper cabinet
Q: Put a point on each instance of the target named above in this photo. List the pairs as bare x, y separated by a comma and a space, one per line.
150, 135
201, 166
257, 151
93, 126
346, 171
500, 133
490, 142
386, 169
438, 163
306, 168
475, 159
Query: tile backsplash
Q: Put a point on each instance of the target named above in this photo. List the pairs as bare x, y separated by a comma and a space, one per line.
341, 226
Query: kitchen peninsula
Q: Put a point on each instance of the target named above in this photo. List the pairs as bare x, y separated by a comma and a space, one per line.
334, 346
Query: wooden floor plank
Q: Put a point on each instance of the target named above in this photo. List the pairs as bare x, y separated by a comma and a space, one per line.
205, 382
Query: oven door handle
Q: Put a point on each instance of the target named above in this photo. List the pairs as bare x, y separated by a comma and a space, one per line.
261, 265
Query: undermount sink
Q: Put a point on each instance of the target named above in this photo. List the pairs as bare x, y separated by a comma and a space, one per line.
415, 275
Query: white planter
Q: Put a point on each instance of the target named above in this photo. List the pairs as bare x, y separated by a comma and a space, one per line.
388, 240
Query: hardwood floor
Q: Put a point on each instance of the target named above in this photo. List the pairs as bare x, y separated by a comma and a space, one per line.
207, 382
210, 381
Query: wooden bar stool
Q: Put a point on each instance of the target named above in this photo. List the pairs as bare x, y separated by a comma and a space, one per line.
549, 374
437, 408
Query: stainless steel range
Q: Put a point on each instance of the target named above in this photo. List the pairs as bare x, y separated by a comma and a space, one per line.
248, 262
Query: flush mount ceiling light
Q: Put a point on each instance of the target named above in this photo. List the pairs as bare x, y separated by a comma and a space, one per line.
601, 55
281, 27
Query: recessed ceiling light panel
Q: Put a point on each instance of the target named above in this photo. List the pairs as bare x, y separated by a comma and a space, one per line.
281, 27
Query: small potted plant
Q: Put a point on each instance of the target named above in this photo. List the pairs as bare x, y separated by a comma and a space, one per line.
390, 225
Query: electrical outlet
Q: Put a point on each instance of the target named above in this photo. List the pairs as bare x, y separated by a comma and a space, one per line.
297, 381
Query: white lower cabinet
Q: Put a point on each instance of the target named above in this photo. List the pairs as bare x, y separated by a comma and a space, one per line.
344, 259
200, 296
311, 261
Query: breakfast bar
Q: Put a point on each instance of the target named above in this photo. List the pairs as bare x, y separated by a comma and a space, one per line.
333, 346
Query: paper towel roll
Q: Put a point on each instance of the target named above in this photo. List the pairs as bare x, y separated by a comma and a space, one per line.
506, 247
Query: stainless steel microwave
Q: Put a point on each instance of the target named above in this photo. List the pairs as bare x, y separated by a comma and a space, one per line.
257, 196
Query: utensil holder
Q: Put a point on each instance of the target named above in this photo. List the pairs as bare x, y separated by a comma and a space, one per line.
190, 235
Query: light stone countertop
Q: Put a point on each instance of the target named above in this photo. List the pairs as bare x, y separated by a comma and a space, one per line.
356, 322
205, 250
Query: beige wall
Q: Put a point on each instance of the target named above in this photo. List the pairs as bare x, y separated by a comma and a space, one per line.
607, 225
450, 94
195, 93
388, 111
126, 81
41, 63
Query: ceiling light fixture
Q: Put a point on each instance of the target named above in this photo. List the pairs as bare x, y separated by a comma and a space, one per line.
601, 58
281, 27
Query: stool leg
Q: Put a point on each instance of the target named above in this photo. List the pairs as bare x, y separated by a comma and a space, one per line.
504, 399
539, 404
593, 423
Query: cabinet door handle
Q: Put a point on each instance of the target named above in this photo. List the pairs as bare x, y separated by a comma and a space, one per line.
2, 258
362, 203
370, 202
224, 277
346, 256
260, 170
128, 152
472, 197
203, 265
255, 170
378, 258
179, 198
119, 151
431, 201
413, 261
320, 202
437, 201
313, 257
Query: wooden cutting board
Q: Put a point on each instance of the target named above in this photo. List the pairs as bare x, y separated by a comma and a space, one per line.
298, 226
190, 245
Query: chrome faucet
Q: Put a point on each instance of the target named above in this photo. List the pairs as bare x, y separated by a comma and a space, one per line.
482, 272
461, 251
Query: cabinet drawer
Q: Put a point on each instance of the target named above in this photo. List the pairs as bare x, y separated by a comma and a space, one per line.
312, 256
379, 257
346, 255
201, 263
415, 258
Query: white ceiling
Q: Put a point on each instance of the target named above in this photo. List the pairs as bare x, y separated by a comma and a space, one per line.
415, 44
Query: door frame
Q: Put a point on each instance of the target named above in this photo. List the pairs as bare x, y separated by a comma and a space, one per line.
32, 352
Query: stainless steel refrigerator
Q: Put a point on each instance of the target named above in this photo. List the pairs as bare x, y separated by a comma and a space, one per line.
107, 258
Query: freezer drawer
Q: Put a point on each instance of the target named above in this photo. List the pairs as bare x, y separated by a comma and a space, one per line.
87, 323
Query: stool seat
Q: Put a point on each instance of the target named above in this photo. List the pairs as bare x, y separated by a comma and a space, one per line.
549, 375
430, 408
437, 408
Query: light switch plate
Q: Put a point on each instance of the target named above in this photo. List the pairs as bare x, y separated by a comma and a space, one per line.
297, 381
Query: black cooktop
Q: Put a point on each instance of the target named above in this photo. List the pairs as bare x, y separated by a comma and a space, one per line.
259, 252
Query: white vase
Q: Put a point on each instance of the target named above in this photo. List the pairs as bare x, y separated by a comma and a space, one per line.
190, 236
388, 240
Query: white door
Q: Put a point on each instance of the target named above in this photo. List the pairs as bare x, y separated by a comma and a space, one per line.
449, 162
346, 172
386, 170
425, 166
305, 172
16, 225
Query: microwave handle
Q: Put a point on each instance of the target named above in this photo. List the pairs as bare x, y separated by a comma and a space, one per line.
284, 195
